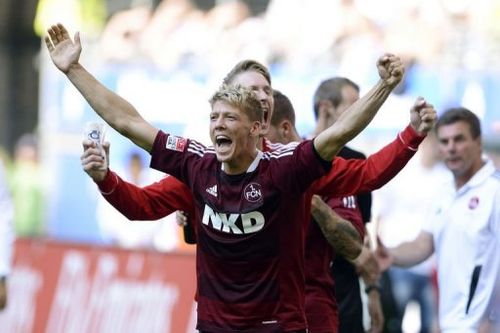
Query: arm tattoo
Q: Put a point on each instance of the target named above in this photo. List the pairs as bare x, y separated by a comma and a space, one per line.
339, 233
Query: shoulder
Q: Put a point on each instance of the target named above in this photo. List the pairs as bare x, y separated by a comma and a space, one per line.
280, 150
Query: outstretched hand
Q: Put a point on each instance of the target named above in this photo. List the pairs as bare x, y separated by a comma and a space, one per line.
390, 69
422, 116
383, 256
63, 51
94, 163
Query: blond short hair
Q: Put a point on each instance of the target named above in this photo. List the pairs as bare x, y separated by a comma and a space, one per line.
241, 98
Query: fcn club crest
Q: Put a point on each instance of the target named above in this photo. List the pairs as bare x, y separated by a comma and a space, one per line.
253, 192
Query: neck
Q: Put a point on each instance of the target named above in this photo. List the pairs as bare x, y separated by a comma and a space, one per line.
295, 137
239, 165
461, 180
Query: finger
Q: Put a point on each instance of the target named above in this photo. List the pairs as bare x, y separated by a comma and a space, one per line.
92, 166
77, 38
49, 44
58, 32
88, 144
92, 153
93, 158
52, 35
62, 31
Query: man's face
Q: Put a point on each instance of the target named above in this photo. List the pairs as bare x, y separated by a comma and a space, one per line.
262, 89
349, 97
274, 135
459, 150
232, 133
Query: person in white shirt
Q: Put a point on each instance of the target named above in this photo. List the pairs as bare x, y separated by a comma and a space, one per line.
394, 203
6, 236
463, 229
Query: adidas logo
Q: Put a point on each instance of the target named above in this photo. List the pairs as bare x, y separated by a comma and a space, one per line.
212, 190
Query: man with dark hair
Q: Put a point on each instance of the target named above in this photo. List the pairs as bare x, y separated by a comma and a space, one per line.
331, 99
463, 229
343, 235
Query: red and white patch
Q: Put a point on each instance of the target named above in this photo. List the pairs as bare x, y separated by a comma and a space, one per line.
176, 143
473, 202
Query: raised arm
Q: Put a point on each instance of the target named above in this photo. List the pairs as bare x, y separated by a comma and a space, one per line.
359, 115
115, 110
352, 176
151, 202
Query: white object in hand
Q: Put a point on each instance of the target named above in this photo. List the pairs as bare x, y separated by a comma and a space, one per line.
95, 132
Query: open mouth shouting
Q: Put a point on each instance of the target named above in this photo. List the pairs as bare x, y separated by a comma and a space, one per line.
222, 144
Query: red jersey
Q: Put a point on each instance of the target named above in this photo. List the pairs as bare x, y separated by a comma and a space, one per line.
346, 177
249, 236
321, 305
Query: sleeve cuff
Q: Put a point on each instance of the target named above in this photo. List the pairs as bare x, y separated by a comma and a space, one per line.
410, 138
108, 184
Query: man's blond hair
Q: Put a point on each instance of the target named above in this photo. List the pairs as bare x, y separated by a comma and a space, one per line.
241, 98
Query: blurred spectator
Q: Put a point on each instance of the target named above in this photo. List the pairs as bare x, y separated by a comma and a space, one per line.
117, 229
27, 189
6, 236
400, 214
461, 228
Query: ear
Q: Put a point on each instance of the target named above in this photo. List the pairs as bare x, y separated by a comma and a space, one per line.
285, 128
256, 128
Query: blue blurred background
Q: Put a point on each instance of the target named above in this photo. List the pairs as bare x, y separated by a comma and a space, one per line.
166, 57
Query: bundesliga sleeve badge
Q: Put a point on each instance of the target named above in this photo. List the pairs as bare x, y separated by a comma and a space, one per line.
175, 143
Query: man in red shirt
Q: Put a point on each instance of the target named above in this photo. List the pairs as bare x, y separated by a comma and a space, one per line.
287, 313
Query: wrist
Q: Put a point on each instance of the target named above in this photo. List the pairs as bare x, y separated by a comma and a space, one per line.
370, 288
108, 184
411, 138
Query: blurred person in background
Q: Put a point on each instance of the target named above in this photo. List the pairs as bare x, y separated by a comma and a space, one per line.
6, 236
117, 230
27, 188
394, 203
462, 229
325, 302
332, 98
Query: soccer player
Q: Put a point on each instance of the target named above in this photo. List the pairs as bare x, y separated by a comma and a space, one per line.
214, 313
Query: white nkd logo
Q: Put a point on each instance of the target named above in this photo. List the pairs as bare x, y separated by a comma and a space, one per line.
251, 222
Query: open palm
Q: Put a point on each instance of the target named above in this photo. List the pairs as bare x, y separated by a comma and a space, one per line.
63, 51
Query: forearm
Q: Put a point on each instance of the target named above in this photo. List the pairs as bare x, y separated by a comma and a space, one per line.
339, 233
112, 108
351, 176
352, 121
410, 253
152, 202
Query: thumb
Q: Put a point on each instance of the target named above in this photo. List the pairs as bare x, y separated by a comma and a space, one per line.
77, 38
379, 243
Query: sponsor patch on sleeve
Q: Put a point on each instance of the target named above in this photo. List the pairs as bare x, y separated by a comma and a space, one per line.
175, 143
